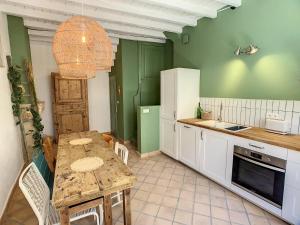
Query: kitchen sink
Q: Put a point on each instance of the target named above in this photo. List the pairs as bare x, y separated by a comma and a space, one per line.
223, 125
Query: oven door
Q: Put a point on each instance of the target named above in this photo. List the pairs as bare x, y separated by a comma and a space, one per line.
264, 181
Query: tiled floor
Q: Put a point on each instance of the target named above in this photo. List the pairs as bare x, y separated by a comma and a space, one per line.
166, 193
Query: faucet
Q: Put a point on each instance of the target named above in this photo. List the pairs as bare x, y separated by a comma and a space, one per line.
220, 115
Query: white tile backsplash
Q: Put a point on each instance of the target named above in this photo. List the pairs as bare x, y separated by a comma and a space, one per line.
252, 112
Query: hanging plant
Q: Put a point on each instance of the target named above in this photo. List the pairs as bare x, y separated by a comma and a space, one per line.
37, 135
14, 77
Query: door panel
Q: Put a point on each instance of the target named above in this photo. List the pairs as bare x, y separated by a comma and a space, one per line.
168, 94
70, 105
113, 104
167, 138
151, 62
214, 154
188, 145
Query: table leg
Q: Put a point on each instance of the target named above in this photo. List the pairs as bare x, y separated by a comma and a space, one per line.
64, 216
107, 210
126, 207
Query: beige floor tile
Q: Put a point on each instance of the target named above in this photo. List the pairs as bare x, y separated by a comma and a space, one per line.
202, 209
166, 213
202, 189
150, 180
188, 187
183, 217
219, 222
137, 204
217, 192
187, 195
253, 209
219, 213
146, 187
170, 202
185, 205
141, 195
238, 217
201, 220
218, 201
202, 198
257, 220
155, 198
163, 182
235, 204
145, 220
151, 209
159, 221
174, 192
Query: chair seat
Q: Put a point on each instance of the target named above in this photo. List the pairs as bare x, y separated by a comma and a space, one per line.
54, 218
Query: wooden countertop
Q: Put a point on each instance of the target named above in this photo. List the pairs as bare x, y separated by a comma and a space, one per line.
72, 188
257, 134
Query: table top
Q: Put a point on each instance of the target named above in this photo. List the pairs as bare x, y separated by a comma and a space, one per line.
72, 188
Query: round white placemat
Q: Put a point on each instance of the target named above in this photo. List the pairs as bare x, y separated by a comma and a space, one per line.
80, 141
86, 164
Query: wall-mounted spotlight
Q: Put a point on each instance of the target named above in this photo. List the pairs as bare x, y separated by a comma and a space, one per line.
251, 50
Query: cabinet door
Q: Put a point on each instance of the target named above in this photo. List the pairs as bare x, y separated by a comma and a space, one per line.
167, 138
188, 145
214, 155
168, 92
291, 204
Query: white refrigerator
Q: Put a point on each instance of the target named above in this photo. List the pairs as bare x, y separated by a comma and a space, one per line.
180, 90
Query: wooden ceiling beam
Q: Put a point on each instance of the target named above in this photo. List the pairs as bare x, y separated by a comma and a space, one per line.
58, 18
184, 6
102, 16
141, 11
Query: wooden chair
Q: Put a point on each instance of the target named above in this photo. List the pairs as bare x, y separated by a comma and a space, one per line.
108, 138
122, 151
49, 152
37, 193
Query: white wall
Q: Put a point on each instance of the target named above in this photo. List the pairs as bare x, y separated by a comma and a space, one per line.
98, 89
11, 158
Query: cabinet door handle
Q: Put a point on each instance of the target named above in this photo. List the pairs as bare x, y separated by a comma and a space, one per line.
187, 127
255, 146
174, 114
201, 135
174, 127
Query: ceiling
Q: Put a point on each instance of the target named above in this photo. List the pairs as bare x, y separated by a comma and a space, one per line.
144, 20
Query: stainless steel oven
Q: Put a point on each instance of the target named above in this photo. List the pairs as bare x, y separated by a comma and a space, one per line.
260, 174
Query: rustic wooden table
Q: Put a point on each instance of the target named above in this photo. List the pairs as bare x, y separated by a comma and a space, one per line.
75, 191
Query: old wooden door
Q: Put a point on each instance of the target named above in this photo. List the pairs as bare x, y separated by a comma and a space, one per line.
70, 105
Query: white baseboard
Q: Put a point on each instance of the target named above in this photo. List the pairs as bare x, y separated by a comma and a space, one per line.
149, 154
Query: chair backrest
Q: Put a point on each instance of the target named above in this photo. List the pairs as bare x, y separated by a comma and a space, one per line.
122, 151
36, 191
49, 152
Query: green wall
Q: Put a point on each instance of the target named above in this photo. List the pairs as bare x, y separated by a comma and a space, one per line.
136, 75
273, 73
20, 48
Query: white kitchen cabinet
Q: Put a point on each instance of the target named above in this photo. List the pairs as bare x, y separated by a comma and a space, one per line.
167, 138
179, 100
180, 90
188, 145
291, 205
213, 155
291, 196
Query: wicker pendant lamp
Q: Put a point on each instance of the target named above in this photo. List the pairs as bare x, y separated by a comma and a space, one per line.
81, 47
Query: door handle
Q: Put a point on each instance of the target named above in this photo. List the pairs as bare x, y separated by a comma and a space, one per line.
201, 135
186, 127
255, 146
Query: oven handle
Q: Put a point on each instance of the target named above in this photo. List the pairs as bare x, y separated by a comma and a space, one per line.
260, 164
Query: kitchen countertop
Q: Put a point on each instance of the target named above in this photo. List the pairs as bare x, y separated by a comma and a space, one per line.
257, 134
